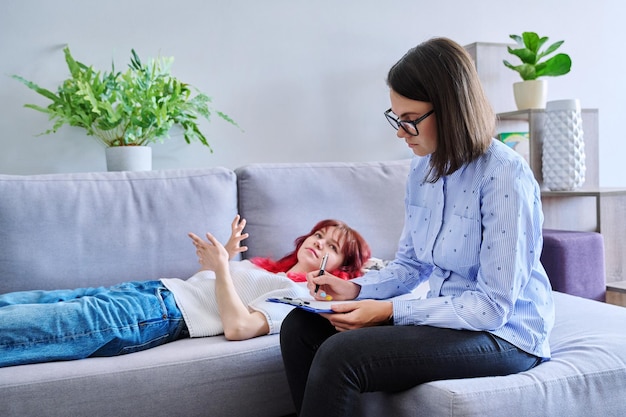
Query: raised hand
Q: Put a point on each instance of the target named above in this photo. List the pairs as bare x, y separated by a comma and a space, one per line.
212, 255
233, 246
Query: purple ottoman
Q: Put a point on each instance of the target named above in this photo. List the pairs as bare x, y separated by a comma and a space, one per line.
574, 262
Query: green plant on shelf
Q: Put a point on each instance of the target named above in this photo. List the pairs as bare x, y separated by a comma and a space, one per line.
535, 61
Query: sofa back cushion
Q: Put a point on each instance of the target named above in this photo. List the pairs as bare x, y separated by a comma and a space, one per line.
283, 201
87, 229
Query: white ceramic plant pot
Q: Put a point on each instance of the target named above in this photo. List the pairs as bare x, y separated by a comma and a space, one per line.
530, 94
129, 158
563, 150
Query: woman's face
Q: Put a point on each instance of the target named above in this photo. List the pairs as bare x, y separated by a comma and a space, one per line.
406, 109
314, 247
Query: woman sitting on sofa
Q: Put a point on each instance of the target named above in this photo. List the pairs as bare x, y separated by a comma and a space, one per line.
473, 231
222, 297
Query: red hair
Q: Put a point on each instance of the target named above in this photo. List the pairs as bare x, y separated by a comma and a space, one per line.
355, 252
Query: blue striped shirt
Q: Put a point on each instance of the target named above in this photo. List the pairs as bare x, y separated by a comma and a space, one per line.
476, 236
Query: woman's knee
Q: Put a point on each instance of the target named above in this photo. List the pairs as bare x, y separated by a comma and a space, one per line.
292, 322
340, 350
303, 328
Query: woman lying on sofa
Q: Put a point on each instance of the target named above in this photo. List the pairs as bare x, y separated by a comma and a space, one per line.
222, 297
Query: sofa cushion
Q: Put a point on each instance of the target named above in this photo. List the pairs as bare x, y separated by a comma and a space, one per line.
283, 201
101, 228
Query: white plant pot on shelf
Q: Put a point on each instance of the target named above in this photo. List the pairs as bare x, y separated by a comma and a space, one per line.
129, 158
530, 94
563, 151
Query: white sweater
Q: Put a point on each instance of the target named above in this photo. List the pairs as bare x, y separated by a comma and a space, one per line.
196, 297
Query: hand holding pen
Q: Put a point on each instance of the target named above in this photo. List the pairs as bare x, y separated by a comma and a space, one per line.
322, 270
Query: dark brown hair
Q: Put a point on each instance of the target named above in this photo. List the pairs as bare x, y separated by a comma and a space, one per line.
441, 72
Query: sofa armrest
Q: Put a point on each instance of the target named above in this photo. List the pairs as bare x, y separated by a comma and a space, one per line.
574, 262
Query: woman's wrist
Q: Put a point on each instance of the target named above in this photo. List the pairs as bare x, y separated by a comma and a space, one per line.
221, 268
390, 318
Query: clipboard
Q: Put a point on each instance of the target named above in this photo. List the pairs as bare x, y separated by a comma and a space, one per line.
312, 306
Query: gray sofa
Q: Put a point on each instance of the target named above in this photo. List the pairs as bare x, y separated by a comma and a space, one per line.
87, 229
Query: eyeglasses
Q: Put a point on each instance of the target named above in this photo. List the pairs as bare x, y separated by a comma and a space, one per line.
409, 126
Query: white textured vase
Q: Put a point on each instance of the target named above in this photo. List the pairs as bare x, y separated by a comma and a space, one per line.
129, 158
530, 94
563, 157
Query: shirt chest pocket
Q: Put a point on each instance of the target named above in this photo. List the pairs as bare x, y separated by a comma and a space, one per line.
419, 218
460, 243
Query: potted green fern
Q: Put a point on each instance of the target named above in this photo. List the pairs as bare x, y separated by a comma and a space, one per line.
126, 110
532, 91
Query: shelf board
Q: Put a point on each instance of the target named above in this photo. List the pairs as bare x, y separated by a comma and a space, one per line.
618, 286
518, 114
593, 192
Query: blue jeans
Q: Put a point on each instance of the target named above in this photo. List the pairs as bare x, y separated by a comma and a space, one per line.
327, 370
42, 326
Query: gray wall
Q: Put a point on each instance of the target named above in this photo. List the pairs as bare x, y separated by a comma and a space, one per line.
305, 79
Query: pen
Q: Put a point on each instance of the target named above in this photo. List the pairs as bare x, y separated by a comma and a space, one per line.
322, 268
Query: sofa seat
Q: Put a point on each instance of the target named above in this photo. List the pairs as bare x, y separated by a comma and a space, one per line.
190, 377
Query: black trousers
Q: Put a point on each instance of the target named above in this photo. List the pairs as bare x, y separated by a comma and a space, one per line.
328, 370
